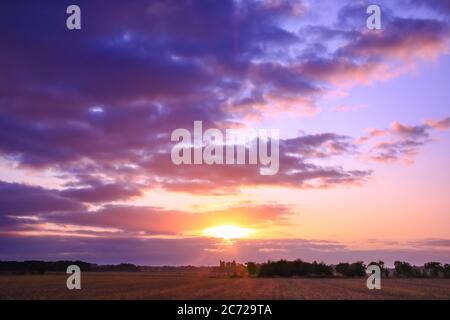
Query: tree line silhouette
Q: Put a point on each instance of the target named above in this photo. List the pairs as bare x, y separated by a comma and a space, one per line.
42, 267
281, 268
299, 268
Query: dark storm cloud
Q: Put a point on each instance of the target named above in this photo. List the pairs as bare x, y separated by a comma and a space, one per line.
101, 193
440, 6
20, 199
297, 169
112, 92
401, 35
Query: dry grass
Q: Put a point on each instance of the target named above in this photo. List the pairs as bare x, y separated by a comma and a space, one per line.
173, 285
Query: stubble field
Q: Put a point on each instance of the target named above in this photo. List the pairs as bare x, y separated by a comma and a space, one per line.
173, 285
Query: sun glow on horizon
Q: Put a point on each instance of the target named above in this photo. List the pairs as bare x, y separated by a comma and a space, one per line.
228, 232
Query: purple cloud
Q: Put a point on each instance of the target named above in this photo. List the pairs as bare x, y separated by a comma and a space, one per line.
19, 199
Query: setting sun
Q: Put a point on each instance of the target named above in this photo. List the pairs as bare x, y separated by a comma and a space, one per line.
228, 232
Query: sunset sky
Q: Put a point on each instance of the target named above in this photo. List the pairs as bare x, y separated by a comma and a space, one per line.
86, 118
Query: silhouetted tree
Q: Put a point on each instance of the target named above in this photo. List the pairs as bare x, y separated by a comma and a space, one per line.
356, 269
284, 268
447, 271
384, 271
252, 268
434, 269
404, 269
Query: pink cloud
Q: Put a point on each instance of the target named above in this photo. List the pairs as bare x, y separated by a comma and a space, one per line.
401, 143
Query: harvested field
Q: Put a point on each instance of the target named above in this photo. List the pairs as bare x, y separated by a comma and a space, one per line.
174, 285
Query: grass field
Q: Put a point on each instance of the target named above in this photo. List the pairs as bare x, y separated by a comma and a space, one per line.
171, 285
